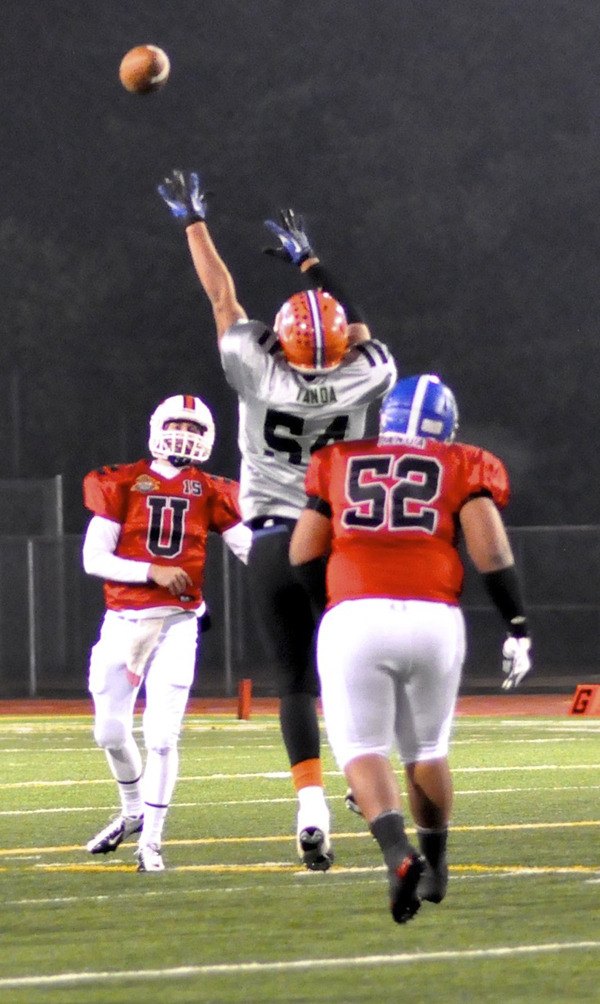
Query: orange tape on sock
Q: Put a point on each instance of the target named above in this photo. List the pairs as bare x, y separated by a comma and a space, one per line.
307, 772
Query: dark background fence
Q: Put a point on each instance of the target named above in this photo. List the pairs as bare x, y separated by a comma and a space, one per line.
50, 612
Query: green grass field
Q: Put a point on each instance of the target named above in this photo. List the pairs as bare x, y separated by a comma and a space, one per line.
233, 918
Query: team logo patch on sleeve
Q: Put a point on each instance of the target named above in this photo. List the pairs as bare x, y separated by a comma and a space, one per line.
144, 484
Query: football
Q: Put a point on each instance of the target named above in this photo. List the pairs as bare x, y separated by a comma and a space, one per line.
144, 69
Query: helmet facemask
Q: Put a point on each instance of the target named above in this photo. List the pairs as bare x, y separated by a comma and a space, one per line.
181, 447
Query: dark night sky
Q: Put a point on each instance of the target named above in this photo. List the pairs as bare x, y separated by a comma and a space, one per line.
445, 157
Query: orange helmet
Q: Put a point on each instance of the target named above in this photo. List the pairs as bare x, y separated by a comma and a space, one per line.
313, 331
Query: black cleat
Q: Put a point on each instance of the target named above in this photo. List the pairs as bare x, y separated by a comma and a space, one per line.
314, 849
404, 879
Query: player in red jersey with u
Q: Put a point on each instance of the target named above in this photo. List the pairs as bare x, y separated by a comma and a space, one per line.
147, 540
391, 643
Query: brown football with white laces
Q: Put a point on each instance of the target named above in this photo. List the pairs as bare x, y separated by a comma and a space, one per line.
144, 69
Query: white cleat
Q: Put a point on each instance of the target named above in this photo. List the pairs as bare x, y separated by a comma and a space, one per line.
149, 858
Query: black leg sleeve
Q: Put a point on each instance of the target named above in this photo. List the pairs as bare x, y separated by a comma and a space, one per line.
283, 611
300, 727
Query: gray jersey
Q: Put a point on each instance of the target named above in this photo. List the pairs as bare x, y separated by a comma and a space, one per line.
284, 416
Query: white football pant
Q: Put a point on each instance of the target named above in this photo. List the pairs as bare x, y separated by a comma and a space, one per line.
169, 675
390, 671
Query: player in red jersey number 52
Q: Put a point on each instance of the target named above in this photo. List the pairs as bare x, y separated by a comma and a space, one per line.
391, 643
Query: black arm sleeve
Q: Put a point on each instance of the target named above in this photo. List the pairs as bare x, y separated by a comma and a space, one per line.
321, 279
311, 576
505, 593
319, 505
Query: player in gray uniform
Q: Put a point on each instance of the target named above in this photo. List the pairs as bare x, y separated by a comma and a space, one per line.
285, 415
301, 384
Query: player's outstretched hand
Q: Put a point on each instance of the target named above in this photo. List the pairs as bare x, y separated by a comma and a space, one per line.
294, 246
516, 660
182, 191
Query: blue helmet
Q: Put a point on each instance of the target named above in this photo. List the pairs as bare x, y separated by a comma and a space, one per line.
420, 406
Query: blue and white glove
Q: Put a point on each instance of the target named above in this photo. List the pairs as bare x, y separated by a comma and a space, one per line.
294, 245
516, 660
184, 196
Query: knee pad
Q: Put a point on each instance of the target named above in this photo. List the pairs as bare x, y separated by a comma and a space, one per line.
163, 718
159, 737
111, 733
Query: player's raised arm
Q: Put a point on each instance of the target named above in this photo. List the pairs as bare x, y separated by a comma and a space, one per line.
187, 201
295, 247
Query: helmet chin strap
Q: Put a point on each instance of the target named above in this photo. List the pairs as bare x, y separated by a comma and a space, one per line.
179, 461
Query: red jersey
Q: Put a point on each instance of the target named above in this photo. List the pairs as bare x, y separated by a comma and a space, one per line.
163, 521
394, 510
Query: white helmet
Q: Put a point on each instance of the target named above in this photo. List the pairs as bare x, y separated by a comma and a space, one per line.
177, 446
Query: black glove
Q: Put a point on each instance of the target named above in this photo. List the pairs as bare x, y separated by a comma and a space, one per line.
294, 244
184, 196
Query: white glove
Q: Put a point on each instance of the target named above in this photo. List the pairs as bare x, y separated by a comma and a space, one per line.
516, 661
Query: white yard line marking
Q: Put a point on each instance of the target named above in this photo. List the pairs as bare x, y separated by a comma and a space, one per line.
524, 768
279, 775
545, 741
338, 876
205, 752
458, 792
365, 875
349, 962
184, 805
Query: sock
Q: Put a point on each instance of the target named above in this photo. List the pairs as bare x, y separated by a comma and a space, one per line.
154, 821
432, 844
388, 830
312, 808
434, 881
159, 780
126, 767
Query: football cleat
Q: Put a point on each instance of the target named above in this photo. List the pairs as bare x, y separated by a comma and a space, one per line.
314, 849
404, 880
114, 834
149, 858
434, 882
351, 803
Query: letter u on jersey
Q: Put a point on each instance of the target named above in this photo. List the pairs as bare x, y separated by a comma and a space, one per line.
166, 525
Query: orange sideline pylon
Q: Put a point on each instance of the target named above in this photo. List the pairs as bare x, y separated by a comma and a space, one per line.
245, 698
